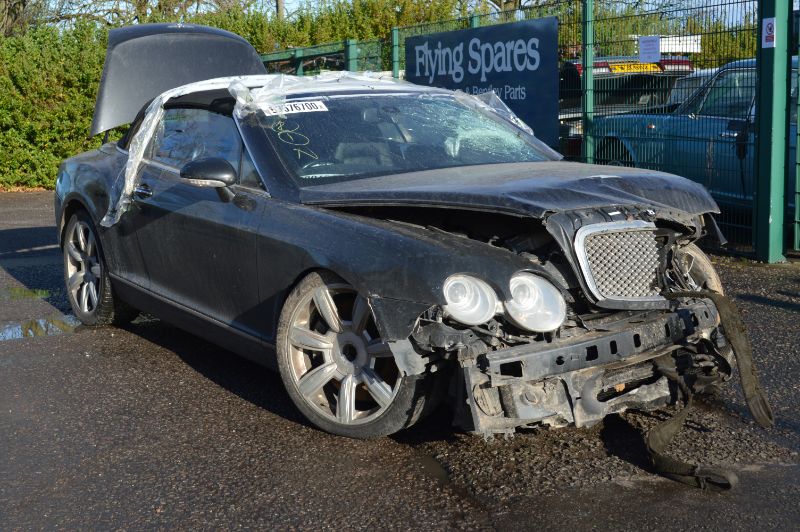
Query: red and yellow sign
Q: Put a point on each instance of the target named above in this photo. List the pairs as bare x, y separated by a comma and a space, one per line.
622, 68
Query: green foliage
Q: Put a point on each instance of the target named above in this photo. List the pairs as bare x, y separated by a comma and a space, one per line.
49, 75
48, 81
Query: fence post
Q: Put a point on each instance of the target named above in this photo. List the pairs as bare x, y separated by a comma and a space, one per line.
771, 129
474, 21
587, 79
351, 54
796, 224
395, 53
298, 62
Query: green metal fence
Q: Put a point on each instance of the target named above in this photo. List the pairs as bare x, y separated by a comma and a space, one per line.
677, 126
692, 112
350, 54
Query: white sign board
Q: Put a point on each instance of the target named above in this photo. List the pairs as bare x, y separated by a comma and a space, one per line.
650, 49
768, 33
683, 44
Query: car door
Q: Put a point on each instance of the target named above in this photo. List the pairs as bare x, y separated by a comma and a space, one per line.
198, 244
702, 136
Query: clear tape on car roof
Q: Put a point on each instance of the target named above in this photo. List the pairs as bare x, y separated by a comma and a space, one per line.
274, 93
125, 183
255, 93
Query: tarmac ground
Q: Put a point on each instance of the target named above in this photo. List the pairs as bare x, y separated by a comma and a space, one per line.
149, 426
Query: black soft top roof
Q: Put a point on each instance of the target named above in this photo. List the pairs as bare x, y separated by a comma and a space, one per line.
145, 60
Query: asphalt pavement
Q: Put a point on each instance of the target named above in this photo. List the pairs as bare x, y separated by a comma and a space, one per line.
151, 427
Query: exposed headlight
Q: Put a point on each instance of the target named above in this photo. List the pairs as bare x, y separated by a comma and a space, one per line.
536, 305
469, 300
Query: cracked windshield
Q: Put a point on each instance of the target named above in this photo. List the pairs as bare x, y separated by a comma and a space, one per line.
334, 139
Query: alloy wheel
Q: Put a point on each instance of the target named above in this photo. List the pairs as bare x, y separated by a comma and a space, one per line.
83, 267
338, 362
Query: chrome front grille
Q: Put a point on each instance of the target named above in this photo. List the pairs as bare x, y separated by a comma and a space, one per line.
620, 260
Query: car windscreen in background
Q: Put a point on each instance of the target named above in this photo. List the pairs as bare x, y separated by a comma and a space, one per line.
333, 139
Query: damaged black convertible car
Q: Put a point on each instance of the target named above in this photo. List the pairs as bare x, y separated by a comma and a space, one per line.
384, 245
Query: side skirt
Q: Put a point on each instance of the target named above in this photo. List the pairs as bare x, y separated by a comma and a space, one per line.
215, 331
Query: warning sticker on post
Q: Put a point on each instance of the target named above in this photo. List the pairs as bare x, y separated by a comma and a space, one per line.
768, 33
293, 107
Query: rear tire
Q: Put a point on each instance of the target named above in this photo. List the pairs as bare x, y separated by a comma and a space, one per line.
336, 368
88, 285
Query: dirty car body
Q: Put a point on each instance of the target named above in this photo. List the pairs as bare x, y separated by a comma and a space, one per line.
533, 289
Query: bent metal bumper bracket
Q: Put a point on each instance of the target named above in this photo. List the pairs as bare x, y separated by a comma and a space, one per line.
555, 377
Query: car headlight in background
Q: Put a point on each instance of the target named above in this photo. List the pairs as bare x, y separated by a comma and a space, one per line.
536, 304
576, 129
469, 300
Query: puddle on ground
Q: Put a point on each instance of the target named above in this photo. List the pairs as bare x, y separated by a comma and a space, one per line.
60, 324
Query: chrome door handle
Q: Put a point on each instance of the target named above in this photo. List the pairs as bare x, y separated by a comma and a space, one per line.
729, 134
142, 191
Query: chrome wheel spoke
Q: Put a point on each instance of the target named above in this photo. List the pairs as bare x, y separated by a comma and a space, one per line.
92, 294
305, 339
346, 401
379, 350
377, 387
361, 314
83, 294
81, 237
75, 280
73, 252
327, 309
314, 380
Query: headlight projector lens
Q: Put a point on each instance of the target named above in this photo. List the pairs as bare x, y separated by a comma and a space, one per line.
536, 304
469, 300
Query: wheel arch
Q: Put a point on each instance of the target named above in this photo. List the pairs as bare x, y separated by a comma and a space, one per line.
621, 141
71, 206
395, 318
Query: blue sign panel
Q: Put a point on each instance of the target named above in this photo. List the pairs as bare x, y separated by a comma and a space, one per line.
518, 61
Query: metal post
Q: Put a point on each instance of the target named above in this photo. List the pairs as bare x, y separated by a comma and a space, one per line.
474, 21
395, 53
796, 224
298, 62
587, 79
351, 54
772, 124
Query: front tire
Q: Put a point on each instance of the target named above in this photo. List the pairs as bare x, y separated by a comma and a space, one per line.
336, 368
86, 276
701, 272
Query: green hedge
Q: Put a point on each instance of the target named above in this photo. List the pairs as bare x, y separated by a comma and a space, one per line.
49, 76
48, 81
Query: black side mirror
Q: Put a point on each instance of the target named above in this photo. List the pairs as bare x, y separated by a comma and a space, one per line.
213, 172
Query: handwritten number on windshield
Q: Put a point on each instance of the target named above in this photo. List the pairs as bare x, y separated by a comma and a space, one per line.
290, 135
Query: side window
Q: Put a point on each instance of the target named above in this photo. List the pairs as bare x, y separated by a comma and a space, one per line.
730, 95
188, 134
248, 176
